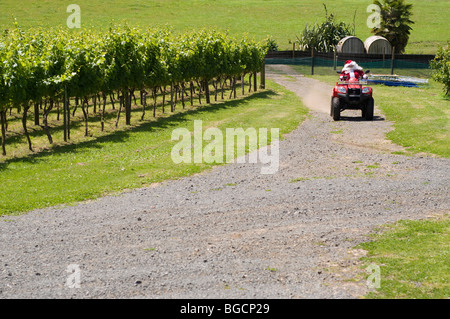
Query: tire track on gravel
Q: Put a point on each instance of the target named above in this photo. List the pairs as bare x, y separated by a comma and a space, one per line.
232, 232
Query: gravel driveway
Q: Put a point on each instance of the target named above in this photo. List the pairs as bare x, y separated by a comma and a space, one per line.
233, 232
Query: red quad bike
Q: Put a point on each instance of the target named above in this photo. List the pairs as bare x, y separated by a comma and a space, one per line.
352, 95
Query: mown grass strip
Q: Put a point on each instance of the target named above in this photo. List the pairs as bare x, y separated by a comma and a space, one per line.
135, 157
421, 118
414, 259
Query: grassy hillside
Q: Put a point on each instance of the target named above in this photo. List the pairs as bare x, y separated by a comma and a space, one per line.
282, 20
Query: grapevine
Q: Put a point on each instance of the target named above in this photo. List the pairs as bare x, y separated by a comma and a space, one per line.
49, 68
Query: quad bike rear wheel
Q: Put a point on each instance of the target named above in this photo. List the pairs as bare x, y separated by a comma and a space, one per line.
368, 114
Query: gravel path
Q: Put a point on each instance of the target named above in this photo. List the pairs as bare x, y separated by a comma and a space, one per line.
233, 232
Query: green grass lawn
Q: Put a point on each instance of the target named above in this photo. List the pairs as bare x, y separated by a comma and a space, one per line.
283, 20
414, 259
127, 158
421, 118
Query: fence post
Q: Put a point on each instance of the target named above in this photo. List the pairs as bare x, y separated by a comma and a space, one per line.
312, 61
208, 97
65, 113
392, 60
171, 96
263, 76
334, 60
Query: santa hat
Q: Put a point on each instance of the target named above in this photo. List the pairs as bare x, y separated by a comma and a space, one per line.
351, 66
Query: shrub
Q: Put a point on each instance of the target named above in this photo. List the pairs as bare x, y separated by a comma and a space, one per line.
441, 67
325, 36
271, 44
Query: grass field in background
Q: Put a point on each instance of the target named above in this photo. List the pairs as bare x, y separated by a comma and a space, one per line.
414, 259
132, 157
283, 20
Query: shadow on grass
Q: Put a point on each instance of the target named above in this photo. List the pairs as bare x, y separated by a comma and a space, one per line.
173, 121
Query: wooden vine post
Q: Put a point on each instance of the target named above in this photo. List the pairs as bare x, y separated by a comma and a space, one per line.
65, 114
263, 76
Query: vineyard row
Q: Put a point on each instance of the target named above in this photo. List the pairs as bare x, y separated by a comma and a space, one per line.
45, 69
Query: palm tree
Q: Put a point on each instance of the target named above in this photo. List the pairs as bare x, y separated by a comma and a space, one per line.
395, 23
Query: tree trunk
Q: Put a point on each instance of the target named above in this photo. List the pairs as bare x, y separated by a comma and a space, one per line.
176, 96
182, 94
155, 95
143, 102
199, 93
231, 87
133, 96
112, 100
85, 114
221, 87
120, 109
94, 100
26, 106
215, 90
77, 101
57, 110
45, 120
36, 113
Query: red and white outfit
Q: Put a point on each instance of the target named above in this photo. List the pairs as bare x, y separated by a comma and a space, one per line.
352, 70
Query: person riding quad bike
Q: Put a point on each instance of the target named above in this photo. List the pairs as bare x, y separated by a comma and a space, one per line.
350, 93
352, 70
